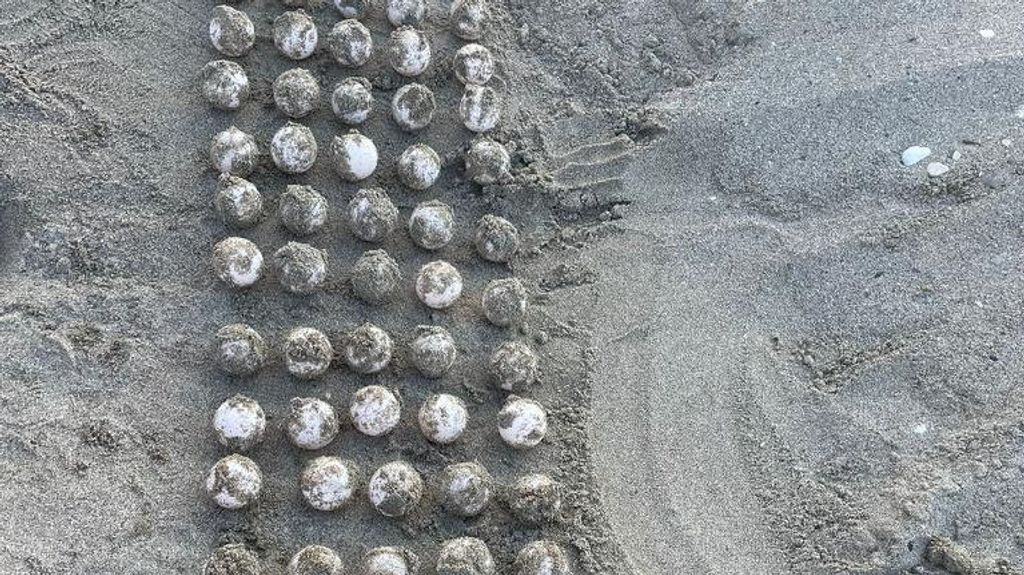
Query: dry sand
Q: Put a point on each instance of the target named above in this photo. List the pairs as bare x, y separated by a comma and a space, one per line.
791, 355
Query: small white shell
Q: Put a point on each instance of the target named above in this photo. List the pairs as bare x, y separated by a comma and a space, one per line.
238, 262
295, 34
480, 108
239, 423
522, 423
419, 166
473, 64
293, 149
355, 156
312, 423
410, 51
438, 284
234, 482
328, 483
375, 410
443, 418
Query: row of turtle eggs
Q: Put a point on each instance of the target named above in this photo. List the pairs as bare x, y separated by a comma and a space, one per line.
368, 349
460, 556
240, 423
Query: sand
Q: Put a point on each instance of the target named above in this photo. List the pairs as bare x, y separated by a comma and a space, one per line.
766, 345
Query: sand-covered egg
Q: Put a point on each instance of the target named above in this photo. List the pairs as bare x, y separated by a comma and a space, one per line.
352, 8
352, 100
375, 410
487, 162
480, 108
239, 423
231, 31
412, 107
328, 483
432, 351
302, 209
241, 350
390, 561
372, 216
465, 556
300, 268
316, 560
307, 353
438, 284
469, 18
541, 558
496, 239
536, 499
293, 148
504, 302
473, 64
350, 43
237, 262
514, 366
234, 482
296, 93
295, 34
409, 51
465, 489
238, 202
232, 559
375, 277
406, 12
419, 166
443, 418
522, 422
368, 349
234, 152
355, 156
395, 489
225, 84
312, 423
432, 225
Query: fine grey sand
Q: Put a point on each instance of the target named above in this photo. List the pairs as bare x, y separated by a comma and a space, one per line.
766, 345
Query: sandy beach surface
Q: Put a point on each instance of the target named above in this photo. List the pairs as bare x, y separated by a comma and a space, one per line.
767, 346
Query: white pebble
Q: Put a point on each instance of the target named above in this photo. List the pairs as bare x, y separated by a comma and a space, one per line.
328, 483
234, 482
522, 423
375, 410
312, 423
915, 154
239, 423
438, 284
355, 156
443, 418
937, 169
410, 51
987, 33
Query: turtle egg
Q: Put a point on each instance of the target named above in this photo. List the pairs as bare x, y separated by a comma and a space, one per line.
443, 418
438, 284
469, 18
430, 225
419, 166
241, 350
406, 12
465, 488
372, 216
410, 51
231, 31
473, 64
234, 482
504, 302
375, 410
328, 483
307, 353
355, 156
352, 8
352, 100
390, 561
233, 559
465, 556
234, 152
375, 277
238, 202
295, 34
480, 108
395, 489
541, 558
367, 349
496, 239
225, 84
312, 423
536, 499
413, 107
514, 366
487, 162
316, 560
238, 262
302, 210
433, 351
301, 268
522, 423
239, 423
293, 148
350, 43
296, 93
